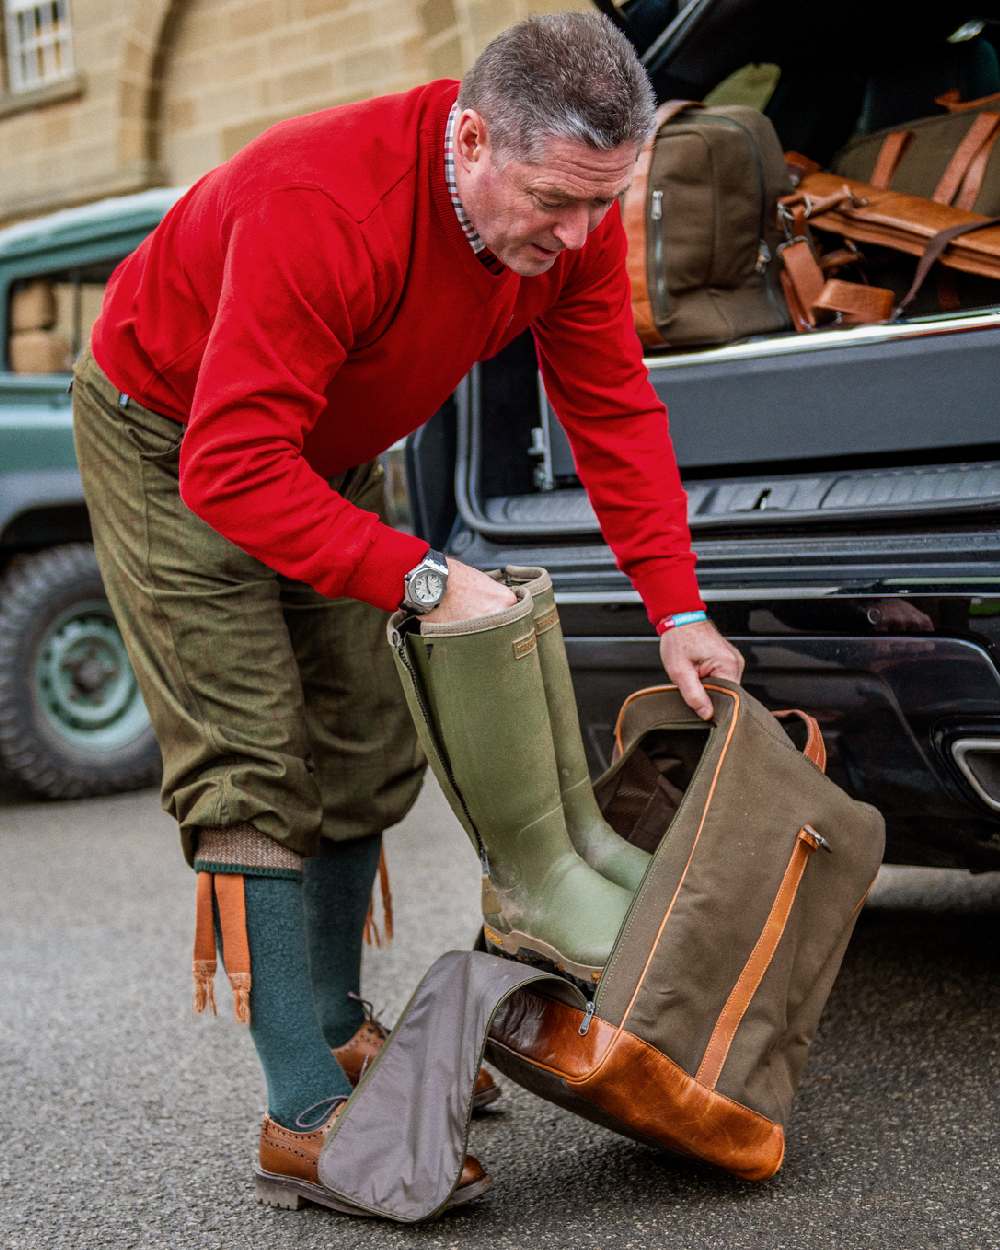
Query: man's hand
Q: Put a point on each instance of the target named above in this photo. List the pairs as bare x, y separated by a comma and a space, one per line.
690, 653
469, 594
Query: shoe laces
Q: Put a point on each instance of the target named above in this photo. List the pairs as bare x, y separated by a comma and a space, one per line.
369, 1013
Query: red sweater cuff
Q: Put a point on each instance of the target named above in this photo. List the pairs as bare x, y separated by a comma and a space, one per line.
378, 578
667, 590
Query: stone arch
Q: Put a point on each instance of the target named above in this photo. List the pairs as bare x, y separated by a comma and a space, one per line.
140, 71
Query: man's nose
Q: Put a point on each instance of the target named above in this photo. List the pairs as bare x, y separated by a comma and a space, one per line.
573, 227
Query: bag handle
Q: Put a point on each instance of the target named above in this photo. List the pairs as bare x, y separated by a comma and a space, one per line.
815, 748
949, 100
934, 250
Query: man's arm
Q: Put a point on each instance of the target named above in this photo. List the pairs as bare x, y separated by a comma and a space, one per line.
591, 361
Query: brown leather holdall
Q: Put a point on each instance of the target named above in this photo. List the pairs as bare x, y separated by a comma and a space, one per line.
701, 225
700, 1027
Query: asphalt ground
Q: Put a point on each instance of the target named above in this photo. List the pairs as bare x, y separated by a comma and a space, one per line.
130, 1123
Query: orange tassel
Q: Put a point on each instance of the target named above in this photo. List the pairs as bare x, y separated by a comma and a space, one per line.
231, 898
383, 876
241, 996
371, 933
203, 965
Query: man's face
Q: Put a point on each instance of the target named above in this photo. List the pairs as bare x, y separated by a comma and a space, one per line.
528, 212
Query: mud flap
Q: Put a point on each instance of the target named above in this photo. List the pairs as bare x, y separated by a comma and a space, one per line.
398, 1147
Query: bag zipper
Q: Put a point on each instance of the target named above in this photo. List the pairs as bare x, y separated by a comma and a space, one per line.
764, 256
807, 841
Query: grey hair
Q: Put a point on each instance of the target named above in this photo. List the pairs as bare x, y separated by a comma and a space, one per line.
563, 75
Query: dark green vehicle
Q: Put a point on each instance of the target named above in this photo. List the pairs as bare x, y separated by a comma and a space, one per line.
72, 721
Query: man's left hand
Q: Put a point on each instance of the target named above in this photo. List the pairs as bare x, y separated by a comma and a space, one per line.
690, 653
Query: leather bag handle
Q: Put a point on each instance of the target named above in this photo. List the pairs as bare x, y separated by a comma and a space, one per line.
815, 748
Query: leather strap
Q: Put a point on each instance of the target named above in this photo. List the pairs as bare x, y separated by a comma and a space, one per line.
889, 154
972, 183
815, 748
855, 303
635, 207
933, 252
802, 282
203, 963
979, 133
949, 100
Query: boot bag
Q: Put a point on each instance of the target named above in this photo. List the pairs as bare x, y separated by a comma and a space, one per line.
701, 224
704, 1014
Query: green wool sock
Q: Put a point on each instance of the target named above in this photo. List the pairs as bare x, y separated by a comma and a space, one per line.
301, 1074
337, 888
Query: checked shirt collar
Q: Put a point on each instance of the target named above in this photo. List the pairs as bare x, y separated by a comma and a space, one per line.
483, 253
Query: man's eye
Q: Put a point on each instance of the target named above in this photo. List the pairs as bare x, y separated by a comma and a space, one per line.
550, 204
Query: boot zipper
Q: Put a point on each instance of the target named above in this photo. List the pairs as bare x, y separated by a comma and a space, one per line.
418, 694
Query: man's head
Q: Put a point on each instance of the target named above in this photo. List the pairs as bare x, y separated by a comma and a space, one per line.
551, 119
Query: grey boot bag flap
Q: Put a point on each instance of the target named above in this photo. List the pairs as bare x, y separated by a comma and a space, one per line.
398, 1146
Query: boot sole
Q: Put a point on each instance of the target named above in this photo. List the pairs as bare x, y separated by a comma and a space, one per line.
523, 946
290, 1193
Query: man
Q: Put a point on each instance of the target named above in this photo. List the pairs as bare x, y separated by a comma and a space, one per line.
298, 310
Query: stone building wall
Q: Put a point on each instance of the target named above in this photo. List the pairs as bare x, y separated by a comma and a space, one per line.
166, 89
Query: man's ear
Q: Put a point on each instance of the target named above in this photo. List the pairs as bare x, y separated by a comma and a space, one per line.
471, 138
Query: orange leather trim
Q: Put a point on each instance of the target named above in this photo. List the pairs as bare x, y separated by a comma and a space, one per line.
957, 168
972, 184
889, 154
815, 748
645, 1090
620, 744
950, 101
634, 207
717, 1050
802, 274
694, 845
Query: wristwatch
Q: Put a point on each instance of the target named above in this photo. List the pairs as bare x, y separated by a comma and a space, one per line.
425, 584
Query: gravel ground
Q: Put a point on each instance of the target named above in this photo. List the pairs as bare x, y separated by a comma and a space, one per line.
132, 1124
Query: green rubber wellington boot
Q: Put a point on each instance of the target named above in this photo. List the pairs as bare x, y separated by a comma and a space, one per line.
476, 693
590, 833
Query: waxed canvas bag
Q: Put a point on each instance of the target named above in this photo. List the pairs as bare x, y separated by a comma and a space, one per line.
950, 158
705, 1011
700, 1027
702, 227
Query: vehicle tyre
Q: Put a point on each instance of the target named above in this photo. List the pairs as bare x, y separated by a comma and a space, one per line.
72, 720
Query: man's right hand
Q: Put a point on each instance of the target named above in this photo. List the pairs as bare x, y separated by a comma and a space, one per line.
469, 594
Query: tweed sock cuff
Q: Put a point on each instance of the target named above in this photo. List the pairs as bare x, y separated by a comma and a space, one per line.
243, 849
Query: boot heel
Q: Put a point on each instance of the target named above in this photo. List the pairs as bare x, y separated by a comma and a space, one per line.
274, 1194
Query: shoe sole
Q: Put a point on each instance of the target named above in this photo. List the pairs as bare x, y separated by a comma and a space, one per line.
530, 949
289, 1193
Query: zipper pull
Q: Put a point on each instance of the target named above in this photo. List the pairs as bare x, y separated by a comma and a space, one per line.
763, 257
588, 1015
656, 206
816, 840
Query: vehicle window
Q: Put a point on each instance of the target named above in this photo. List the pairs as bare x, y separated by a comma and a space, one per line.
51, 317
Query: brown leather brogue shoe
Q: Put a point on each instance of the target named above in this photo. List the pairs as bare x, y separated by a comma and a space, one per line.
360, 1050
288, 1174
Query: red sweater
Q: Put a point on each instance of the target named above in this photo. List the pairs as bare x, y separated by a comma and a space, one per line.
313, 299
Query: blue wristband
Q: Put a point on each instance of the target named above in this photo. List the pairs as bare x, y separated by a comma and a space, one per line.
680, 618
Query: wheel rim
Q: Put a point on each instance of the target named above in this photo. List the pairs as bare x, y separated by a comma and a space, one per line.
85, 683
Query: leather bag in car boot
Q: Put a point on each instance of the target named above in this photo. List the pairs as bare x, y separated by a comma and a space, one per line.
591, 835
476, 694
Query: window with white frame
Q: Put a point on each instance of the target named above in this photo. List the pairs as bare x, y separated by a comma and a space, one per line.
39, 43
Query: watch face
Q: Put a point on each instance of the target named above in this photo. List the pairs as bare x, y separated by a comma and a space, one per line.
427, 587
